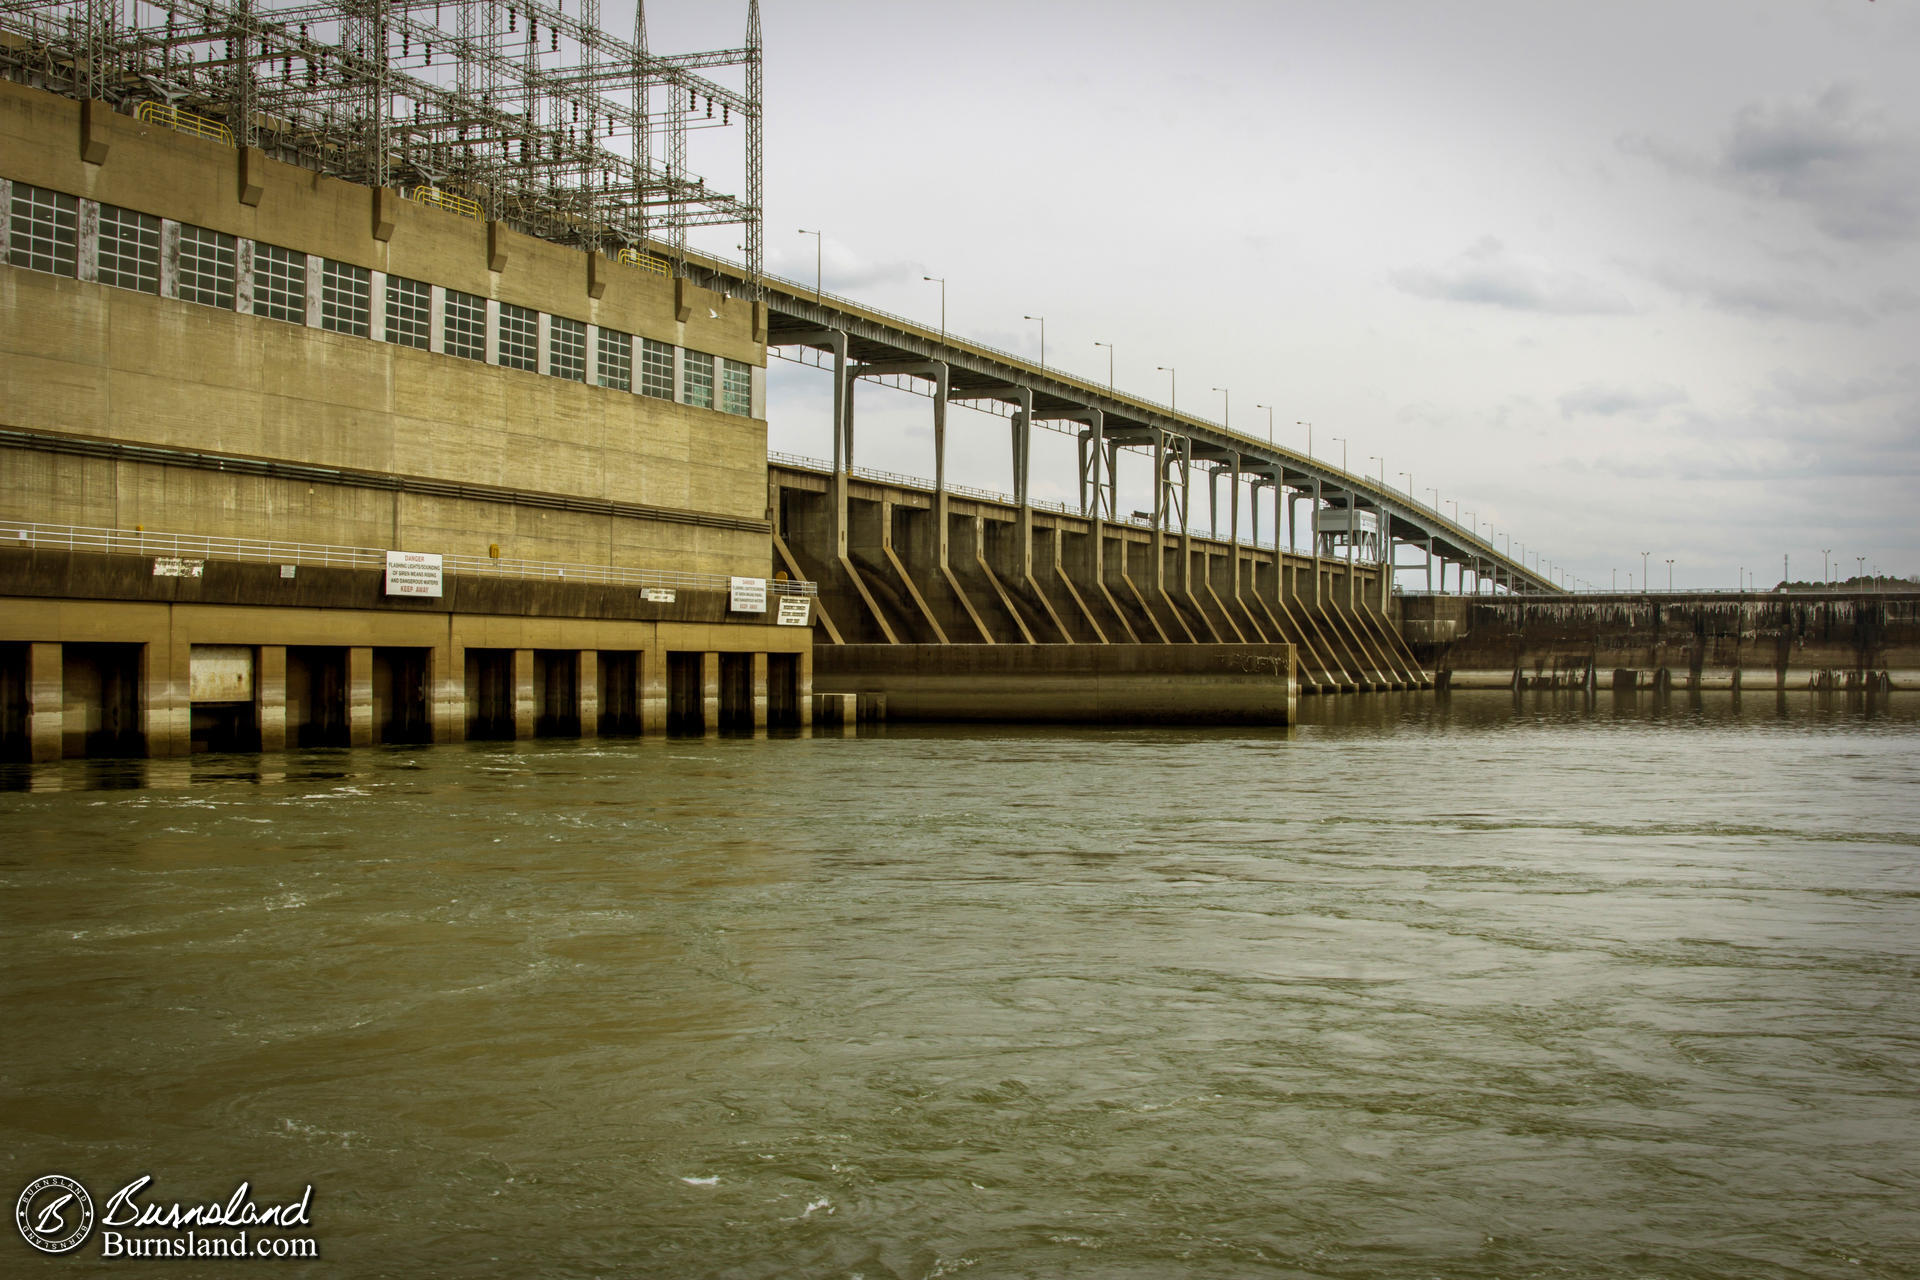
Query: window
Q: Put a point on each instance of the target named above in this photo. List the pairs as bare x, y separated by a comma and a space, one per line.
519, 337
616, 360
346, 294
736, 388
656, 369
279, 283
410, 312
46, 231
206, 267
129, 249
696, 380
466, 327
567, 348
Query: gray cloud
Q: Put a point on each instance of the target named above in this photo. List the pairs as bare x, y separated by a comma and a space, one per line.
1787, 299
1856, 176
1487, 274
1613, 401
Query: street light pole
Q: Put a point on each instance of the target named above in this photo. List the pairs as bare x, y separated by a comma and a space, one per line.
1669, 575
942, 282
1646, 583
816, 263
1173, 386
1269, 409
1109, 347
1343, 451
1826, 573
1043, 339
1226, 408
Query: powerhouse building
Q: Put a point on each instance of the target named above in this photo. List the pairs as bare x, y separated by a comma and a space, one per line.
287, 460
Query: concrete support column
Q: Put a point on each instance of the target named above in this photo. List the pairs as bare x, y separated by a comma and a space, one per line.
759, 693
940, 378
805, 692
166, 681
525, 709
1157, 577
1022, 458
587, 691
652, 678
1314, 532
270, 696
46, 701
710, 692
360, 696
1430, 566
1233, 522
447, 681
1186, 516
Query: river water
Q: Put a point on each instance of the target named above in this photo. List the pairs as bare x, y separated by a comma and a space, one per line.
1458, 988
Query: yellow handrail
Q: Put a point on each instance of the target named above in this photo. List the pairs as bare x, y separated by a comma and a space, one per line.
447, 200
644, 261
165, 113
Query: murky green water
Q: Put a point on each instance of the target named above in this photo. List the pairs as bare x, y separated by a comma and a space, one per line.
1459, 989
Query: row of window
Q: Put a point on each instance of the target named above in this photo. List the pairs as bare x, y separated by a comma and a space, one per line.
45, 233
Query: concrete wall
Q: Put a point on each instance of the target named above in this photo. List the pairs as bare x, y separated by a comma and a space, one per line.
57, 601
1077, 684
88, 360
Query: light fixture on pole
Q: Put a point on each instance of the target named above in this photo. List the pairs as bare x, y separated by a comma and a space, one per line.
942, 282
1646, 583
1226, 408
1043, 338
816, 262
1269, 409
1173, 386
1109, 347
1826, 572
1669, 573
1309, 427
1343, 451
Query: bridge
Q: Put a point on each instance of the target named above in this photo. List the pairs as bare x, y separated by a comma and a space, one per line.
1348, 517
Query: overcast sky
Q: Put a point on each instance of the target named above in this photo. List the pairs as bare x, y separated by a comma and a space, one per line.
1620, 277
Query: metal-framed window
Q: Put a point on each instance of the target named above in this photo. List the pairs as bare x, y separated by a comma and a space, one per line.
696, 380
567, 348
129, 249
656, 369
736, 387
410, 313
206, 267
465, 331
45, 233
519, 337
346, 298
279, 283
616, 360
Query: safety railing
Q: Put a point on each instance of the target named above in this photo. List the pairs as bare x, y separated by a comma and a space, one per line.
644, 261
920, 483
140, 542
439, 199
172, 117
1137, 520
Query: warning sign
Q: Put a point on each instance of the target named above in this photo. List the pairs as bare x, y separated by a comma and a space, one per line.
413, 573
793, 611
749, 595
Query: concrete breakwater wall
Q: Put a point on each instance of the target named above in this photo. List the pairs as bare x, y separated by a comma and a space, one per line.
1840, 640
1074, 684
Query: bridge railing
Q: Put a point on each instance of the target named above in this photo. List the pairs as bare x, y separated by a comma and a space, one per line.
140, 542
